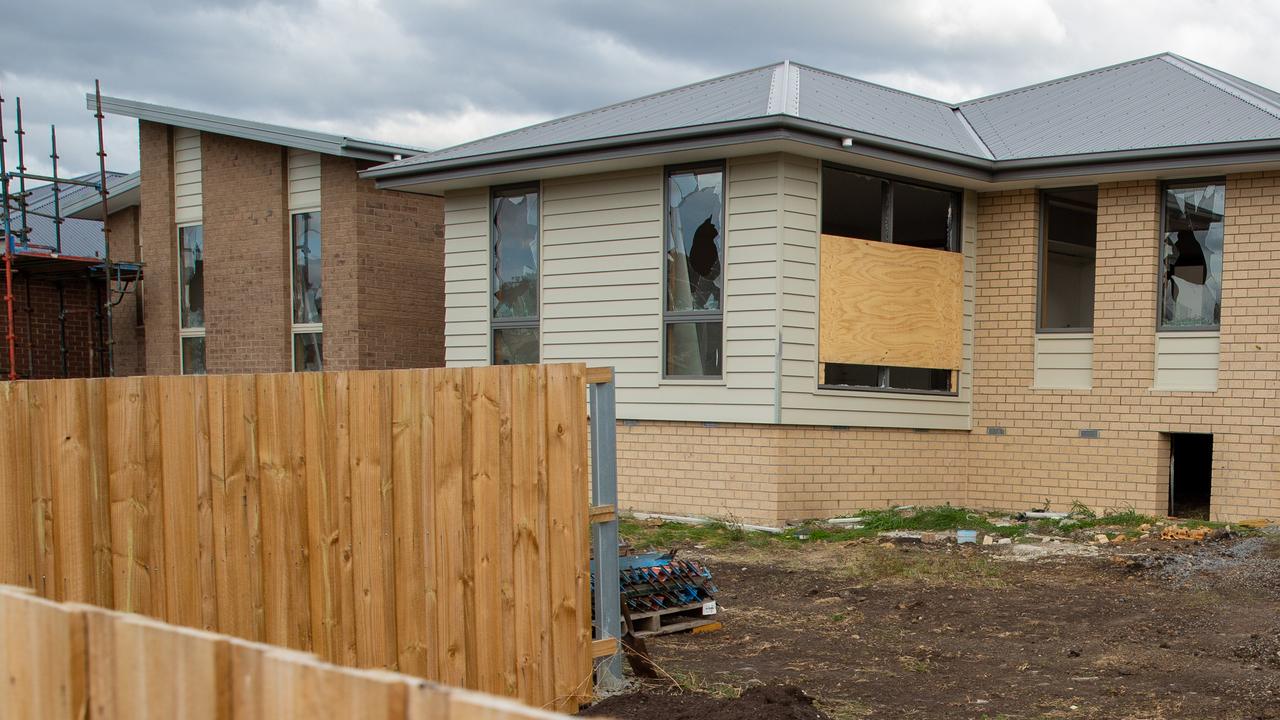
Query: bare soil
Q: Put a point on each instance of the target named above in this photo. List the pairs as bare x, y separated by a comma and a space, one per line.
1157, 630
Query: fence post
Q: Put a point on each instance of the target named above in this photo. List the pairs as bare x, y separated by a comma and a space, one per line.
604, 535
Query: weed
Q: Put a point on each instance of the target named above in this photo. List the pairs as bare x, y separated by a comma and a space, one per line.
695, 683
916, 665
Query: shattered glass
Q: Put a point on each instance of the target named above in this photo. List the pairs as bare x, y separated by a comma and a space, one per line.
1191, 256
307, 295
191, 289
515, 255
695, 240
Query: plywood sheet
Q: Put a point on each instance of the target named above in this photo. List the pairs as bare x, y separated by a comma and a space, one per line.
884, 304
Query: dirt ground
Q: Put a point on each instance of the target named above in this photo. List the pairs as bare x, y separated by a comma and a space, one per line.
1154, 630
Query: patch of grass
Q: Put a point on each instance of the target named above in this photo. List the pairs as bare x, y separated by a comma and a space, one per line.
843, 709
695, 683
1128, 518
881, 565
916, 665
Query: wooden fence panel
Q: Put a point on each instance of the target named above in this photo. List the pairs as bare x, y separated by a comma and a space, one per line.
428, 521
80, 662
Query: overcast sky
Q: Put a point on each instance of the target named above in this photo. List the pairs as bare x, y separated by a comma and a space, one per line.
436, 73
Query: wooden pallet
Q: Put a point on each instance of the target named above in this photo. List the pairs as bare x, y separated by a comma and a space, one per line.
671, 620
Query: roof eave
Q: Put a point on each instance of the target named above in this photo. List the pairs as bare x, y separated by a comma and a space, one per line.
665, 140
249, 130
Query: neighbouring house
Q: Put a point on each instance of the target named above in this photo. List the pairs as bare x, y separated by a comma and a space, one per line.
265, 252
822, 294
60, 287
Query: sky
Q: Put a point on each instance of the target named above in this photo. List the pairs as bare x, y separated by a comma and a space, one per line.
434, 73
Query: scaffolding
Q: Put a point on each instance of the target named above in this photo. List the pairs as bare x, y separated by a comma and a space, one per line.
108, 281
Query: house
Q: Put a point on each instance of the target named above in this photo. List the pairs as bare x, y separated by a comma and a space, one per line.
265, 252
60, 285
822, 294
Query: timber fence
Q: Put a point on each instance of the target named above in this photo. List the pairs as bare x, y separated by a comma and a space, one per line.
79, 662
433, 522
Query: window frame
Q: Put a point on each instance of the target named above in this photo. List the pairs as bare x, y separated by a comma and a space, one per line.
297, 328
955, 244
954, 239
1165, 186
1041, 255
497, 323
679, 317
187, 332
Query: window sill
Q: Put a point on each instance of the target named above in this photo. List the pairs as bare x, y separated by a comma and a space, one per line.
1189, 332
706, 382
839, 391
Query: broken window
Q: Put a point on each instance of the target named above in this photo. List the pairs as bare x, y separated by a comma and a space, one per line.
862, 211
191, 299
307, 291
1068, 257
514, 281
1191, 256
880, 377
694, 271
191, 279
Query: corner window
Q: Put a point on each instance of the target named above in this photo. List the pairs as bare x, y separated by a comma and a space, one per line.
514, 214
1191, 255
693, 272
860, 211
191, 331
306, 289
1068, 258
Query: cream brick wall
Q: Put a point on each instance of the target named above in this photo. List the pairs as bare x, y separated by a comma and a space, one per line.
769, 474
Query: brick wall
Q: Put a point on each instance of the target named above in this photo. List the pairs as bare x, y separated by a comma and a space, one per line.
247, 315
38, 341
769, 474
129, 351
159, 248
384, 280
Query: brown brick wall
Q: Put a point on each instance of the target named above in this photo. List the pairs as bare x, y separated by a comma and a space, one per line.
384, 280
39, 342
159, 248
769, 474
129, 350
247, 320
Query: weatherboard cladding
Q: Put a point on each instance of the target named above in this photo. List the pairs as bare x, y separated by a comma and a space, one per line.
1163, 101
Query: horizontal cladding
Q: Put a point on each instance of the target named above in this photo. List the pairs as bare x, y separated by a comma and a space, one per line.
304, 180
187, 182
1064, 361
1187, 361
466, 287
801, 400
602, 290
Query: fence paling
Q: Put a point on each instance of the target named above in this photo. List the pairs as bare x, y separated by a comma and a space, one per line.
77, 662
433, 521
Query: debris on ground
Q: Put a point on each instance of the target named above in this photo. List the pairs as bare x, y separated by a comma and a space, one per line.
762, 702
665, 594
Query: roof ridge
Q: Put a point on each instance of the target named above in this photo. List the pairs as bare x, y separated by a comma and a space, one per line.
860, 81
1227, 84
585, 113
1065, 78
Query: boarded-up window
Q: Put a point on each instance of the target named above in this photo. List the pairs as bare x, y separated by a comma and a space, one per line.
891, 308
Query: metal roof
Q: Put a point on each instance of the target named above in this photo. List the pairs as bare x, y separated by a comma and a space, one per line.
122, 191
1162, 101
325, 143
81, 238
1163, 105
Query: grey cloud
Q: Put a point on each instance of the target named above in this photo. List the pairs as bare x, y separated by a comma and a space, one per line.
358, 65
